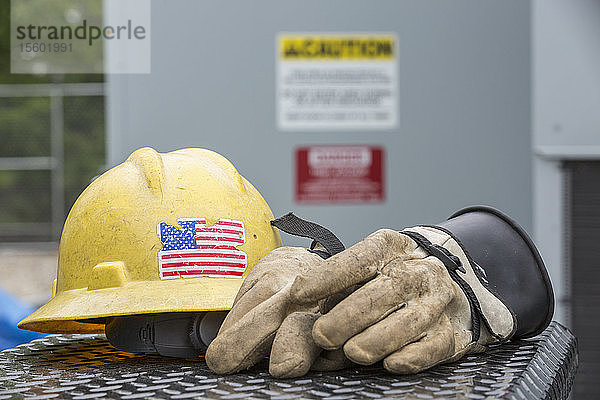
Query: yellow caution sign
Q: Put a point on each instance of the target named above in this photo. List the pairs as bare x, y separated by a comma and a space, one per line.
337, 47
337, 80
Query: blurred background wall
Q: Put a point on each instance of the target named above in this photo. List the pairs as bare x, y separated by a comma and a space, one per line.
566, 164
463, 111
495, 103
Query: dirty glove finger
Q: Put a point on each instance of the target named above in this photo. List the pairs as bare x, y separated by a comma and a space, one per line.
422, 281
247, 340
358, 311
294, 349
327, 304
271, 268
350, 267
269, 276
331, 361
404, 326
435, 347
260, 291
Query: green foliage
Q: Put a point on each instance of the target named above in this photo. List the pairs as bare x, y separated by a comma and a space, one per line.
24, 126
24, 196
25, 132
7, 77
84, 144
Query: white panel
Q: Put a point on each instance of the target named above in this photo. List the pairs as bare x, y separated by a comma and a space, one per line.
566, 72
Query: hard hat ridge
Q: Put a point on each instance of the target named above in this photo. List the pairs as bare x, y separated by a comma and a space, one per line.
216, 162
160, 233
150, 164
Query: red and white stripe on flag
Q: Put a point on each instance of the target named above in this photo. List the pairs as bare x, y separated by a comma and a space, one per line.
216, 253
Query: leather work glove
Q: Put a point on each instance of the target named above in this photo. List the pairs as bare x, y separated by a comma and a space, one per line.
432, 293
265, 320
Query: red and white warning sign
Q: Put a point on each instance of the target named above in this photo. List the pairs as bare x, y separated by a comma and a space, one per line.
339, 174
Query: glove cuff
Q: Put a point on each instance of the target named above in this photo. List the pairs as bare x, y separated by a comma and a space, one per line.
491, 320
513, 268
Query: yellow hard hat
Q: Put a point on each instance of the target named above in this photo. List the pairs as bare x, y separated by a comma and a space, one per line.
172, 232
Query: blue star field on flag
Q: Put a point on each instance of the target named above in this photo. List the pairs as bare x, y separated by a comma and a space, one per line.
174, 238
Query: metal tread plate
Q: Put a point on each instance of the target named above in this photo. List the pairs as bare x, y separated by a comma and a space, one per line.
86, 367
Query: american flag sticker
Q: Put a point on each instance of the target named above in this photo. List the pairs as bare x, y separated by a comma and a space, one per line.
199, 250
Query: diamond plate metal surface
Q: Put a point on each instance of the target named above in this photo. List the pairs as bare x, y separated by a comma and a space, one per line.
86, 367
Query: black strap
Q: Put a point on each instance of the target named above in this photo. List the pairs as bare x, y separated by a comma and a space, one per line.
294, 225
453, 264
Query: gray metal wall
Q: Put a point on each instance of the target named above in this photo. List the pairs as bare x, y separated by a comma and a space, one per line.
566, 81
566, 140
566, 121
464, 102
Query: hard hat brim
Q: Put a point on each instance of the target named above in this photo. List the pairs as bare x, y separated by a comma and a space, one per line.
78, 310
